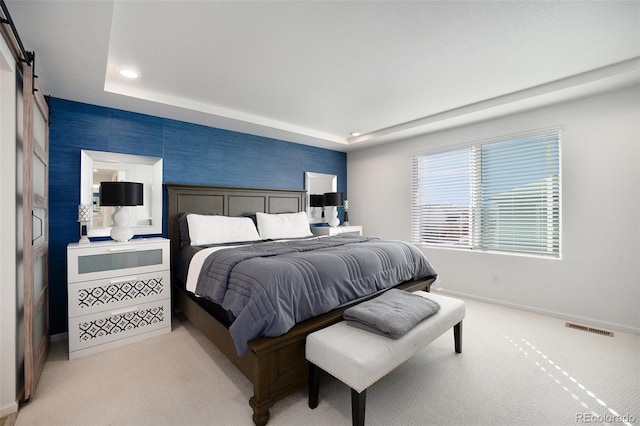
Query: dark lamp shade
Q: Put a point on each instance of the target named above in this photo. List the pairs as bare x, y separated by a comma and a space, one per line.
316, 200
333, 199
121, 194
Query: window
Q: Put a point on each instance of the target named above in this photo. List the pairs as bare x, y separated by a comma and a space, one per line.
501, 195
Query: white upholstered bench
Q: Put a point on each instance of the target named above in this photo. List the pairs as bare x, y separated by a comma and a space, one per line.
360, 358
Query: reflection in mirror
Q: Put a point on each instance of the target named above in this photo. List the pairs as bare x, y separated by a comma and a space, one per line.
318, 184
99, 167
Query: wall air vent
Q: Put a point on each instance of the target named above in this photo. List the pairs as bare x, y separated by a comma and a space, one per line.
589, 329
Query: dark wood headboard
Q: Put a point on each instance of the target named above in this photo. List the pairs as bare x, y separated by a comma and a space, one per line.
227, 201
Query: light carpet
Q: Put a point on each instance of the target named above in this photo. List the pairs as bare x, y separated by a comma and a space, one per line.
516, 368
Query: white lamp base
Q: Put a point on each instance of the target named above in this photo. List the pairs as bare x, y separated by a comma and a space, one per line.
121, 230
333, 217
316, 212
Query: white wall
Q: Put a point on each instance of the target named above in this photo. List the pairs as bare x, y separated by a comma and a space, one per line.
8, 403
597, 281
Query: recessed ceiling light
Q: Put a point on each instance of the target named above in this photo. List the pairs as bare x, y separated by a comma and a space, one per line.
355, 133
129, 73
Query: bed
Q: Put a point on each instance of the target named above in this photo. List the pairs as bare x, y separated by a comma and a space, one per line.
276, 366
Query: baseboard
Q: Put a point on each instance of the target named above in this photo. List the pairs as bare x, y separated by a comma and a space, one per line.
573, 318
9, 409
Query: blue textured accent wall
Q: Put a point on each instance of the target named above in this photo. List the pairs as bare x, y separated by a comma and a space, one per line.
192, 154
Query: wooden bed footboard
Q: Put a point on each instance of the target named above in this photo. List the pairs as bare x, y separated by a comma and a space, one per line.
276, 366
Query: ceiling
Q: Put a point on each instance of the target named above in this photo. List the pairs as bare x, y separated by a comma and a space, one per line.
313, 72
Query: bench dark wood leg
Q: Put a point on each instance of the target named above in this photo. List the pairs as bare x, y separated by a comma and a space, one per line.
314, 385
457, 337
358, 403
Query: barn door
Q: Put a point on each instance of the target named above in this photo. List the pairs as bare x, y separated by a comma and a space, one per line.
35, 219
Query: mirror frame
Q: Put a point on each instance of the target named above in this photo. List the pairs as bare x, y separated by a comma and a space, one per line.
87, 160
319, 178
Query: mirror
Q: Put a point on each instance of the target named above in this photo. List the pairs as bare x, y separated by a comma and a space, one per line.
318, 184
97, 166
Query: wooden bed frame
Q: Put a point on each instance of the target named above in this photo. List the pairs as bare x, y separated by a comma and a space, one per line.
276, 366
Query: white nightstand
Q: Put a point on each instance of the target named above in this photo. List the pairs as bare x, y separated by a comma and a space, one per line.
118, 293
328, 230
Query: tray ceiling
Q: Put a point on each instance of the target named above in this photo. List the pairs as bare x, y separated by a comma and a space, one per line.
313, 72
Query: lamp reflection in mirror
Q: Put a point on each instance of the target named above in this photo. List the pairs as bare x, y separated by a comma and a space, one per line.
331, 202
121, 195
84, 216
316, 205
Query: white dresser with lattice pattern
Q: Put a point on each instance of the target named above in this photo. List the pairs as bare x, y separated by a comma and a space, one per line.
118, 293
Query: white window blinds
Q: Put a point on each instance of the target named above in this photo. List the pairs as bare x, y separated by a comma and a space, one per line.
500, 195
442, 198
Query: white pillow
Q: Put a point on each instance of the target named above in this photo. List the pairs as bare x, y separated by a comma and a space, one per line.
210, 229
283, 225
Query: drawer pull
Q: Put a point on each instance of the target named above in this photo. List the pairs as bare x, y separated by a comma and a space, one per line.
124, 311
123, 280
132, 248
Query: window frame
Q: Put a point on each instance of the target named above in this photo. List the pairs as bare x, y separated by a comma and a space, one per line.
541, 236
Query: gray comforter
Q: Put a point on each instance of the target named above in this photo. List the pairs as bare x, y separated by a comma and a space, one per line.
271, 286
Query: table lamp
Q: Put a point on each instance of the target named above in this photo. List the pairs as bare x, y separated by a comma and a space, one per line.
121, 195
84, 216
331, 202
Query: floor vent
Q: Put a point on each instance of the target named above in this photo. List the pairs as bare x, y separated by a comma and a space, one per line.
589, 329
